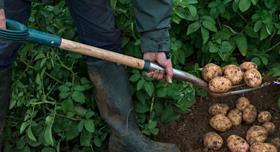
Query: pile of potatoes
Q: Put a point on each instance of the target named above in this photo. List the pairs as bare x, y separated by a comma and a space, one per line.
223, 119
222, 79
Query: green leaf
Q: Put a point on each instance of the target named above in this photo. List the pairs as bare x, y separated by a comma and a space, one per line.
85, 138
193, 27
135, 77
192, 10
140, 84
244, 5
254, 2
78, 97
97, 142
263, 34
241, 43
225, 50
23, 127
30, 134
89, 125
209, 25
149, 87
213, 48
48, 135
258, 25
205, 35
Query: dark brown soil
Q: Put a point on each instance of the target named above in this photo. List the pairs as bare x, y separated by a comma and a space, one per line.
188, 132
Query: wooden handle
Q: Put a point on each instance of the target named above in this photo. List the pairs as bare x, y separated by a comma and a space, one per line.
102, 54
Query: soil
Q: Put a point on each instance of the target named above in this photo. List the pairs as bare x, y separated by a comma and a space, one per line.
187, 133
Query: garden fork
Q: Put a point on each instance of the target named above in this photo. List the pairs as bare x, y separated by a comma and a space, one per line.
18, 32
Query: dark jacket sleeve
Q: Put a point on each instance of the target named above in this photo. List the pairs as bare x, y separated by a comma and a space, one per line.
1, 4
153, 22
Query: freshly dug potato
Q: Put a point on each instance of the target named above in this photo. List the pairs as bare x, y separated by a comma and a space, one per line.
237, 144
242, 103
235, 116
262, 147
218, 108
213, 141
233, 73
271, 147
256, 134
276, 142
211, 71
249, 114
220, 85
264, 116
248, 65
253, 78
220, 123
269, 126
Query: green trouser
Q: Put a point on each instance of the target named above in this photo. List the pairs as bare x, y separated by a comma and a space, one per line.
5, 89
115, 106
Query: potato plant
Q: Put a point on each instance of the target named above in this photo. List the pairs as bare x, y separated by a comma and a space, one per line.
52, 108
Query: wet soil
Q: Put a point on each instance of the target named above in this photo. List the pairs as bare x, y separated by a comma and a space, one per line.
187, 133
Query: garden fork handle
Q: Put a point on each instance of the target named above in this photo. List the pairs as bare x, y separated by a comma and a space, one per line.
127, 60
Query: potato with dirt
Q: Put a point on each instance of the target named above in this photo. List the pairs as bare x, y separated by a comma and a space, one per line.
249, 114
242, 103
235, 116
220, 123
253, 78
270, 127
220, 85
213, 141
237, 144
262, 147
233, 73
211, 71
264, 116
256, 134
248, 65
218, 108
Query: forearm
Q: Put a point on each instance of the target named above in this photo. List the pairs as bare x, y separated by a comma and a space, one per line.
153, 21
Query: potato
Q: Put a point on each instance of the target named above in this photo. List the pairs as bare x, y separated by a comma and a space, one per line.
235, 116
270, 147
218, 108
248, 65
253, 78
220, 85
264, 116
233, 73
276, 142
256, 134
237, 144
262, 147
213, 141
249, 114
242, 103
269, 126
220, 123
211, 71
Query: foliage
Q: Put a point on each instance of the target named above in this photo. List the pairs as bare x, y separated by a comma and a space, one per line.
52, 108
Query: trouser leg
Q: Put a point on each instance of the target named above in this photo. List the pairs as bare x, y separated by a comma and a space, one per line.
96, 26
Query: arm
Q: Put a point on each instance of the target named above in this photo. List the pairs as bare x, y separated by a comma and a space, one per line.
2, 15
153, 22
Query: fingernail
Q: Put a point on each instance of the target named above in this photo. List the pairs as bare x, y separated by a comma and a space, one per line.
169, 80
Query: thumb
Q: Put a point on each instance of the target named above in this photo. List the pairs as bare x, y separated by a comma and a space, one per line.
169, 71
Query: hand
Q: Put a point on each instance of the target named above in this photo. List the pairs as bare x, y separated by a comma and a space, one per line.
161, 59
2, 19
